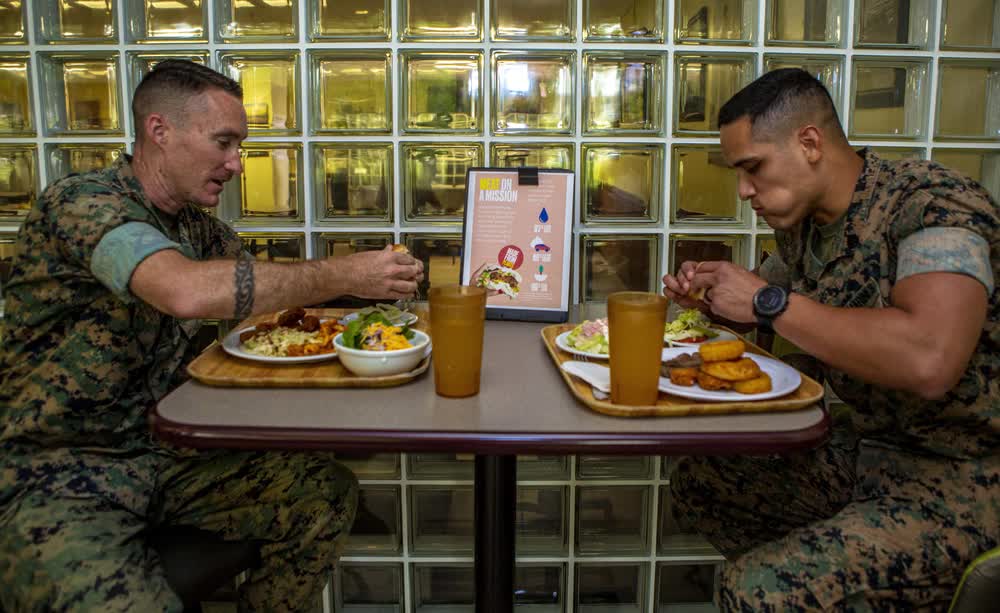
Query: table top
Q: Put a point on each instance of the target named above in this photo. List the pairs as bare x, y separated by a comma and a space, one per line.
523, 407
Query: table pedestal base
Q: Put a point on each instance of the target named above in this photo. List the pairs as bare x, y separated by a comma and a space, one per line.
496, 500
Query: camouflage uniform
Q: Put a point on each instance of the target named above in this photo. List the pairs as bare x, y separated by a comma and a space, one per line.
81, 480
889, 512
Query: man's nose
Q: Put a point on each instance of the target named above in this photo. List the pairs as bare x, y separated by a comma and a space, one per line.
746, 188
235, 163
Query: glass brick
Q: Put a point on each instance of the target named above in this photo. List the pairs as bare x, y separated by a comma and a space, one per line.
440, 466
16, 117
828, 69
539, 155
18, 180
338, 245
671, 540
622, 182
612, 520
270, 86
705, 188
269, 188
703, 83
443, 587
614, 263
441, 519
685, 587
533, 92
528, 20
706, 247
611, 587
363, 465
639, 21
458, 20
275, 246
377, 528
981, 165
970, 24
80, 92
66, 158
240, 21
624, 93
441, 255
433, 183
542, 467
902, 24
804, 22
441, 92
352, 92
900, 153
612, 467
541, 519
350, 19
71, 21
538, 588
968, 104
720, 22
141, 62
888, 99
353, 181
368, 588
12, 23
152, 21
764, 248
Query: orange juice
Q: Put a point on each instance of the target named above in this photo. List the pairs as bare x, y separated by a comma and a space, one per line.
458, 315
635, 344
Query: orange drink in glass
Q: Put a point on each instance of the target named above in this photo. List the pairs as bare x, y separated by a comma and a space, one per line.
635, 344
458, 314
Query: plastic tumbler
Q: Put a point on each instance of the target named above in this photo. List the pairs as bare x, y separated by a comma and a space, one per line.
458, 313
635, 345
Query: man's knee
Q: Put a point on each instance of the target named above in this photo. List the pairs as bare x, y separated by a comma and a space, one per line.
760, 586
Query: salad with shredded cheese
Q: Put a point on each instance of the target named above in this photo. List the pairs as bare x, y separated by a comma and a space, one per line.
691, 326
591, 336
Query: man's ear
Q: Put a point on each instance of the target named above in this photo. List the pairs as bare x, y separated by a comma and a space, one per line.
811, 141
157, 128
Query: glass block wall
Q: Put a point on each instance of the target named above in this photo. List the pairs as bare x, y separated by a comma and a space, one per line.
365, 114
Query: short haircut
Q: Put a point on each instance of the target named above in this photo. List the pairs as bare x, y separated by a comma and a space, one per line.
783, 100
169, 86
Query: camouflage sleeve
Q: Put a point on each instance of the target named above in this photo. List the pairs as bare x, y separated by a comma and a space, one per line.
121, 250
225, 242
945, 249
774, 271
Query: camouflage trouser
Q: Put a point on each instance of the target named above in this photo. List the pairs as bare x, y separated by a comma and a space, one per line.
76, 540
840, 528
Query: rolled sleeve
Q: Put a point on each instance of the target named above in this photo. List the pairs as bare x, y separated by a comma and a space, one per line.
121, 250
946, 249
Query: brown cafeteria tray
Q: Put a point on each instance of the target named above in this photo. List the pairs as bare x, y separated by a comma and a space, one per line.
808, 393
216, 367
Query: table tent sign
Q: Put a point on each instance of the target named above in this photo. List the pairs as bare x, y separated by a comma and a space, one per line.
517, 232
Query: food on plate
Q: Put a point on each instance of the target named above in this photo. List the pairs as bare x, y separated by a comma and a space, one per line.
720, 351
392, 313
757, 385
399, 248
374, 332
500, 278
590, 336
291, 334
742, 369
712, 384
691, 326
685, 376
683, 360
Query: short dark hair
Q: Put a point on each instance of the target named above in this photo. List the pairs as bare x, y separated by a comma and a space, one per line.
171, 83
780, 100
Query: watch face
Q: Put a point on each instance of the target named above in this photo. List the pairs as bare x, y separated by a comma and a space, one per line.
770, 300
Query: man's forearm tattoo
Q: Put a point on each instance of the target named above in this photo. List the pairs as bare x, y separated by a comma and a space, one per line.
244, 282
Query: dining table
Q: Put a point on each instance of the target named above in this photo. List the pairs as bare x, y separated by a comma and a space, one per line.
523, 407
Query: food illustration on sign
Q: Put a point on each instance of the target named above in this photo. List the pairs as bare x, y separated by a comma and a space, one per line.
500, 279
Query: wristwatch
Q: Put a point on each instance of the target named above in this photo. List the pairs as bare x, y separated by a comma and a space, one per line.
769, 302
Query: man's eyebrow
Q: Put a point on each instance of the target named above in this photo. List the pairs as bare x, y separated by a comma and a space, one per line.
745, 161
227, 133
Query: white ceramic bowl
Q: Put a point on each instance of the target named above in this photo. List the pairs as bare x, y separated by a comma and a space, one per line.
383, 363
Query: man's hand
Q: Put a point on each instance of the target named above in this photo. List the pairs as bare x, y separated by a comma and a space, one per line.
730, 289
382, 274
679, 288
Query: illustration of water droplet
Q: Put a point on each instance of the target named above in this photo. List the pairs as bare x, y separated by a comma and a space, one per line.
543, 216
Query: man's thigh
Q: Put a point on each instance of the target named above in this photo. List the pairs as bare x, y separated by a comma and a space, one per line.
73, 552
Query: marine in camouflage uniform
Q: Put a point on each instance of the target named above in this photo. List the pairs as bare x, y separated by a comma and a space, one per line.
81, 481
886, 515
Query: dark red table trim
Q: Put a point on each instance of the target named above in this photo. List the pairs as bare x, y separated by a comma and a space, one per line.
493, 443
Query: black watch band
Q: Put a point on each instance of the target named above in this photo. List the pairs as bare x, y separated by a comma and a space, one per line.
769, 302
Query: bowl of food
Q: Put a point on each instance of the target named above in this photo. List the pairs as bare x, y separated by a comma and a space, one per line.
378, 349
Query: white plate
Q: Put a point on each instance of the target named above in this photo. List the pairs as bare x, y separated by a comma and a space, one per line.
723, 336
563, 344
784, 380
406, 319
232, 345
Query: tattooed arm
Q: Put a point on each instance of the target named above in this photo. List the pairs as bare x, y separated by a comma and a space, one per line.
190, 289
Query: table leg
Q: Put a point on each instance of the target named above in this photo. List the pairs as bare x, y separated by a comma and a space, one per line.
496, 500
